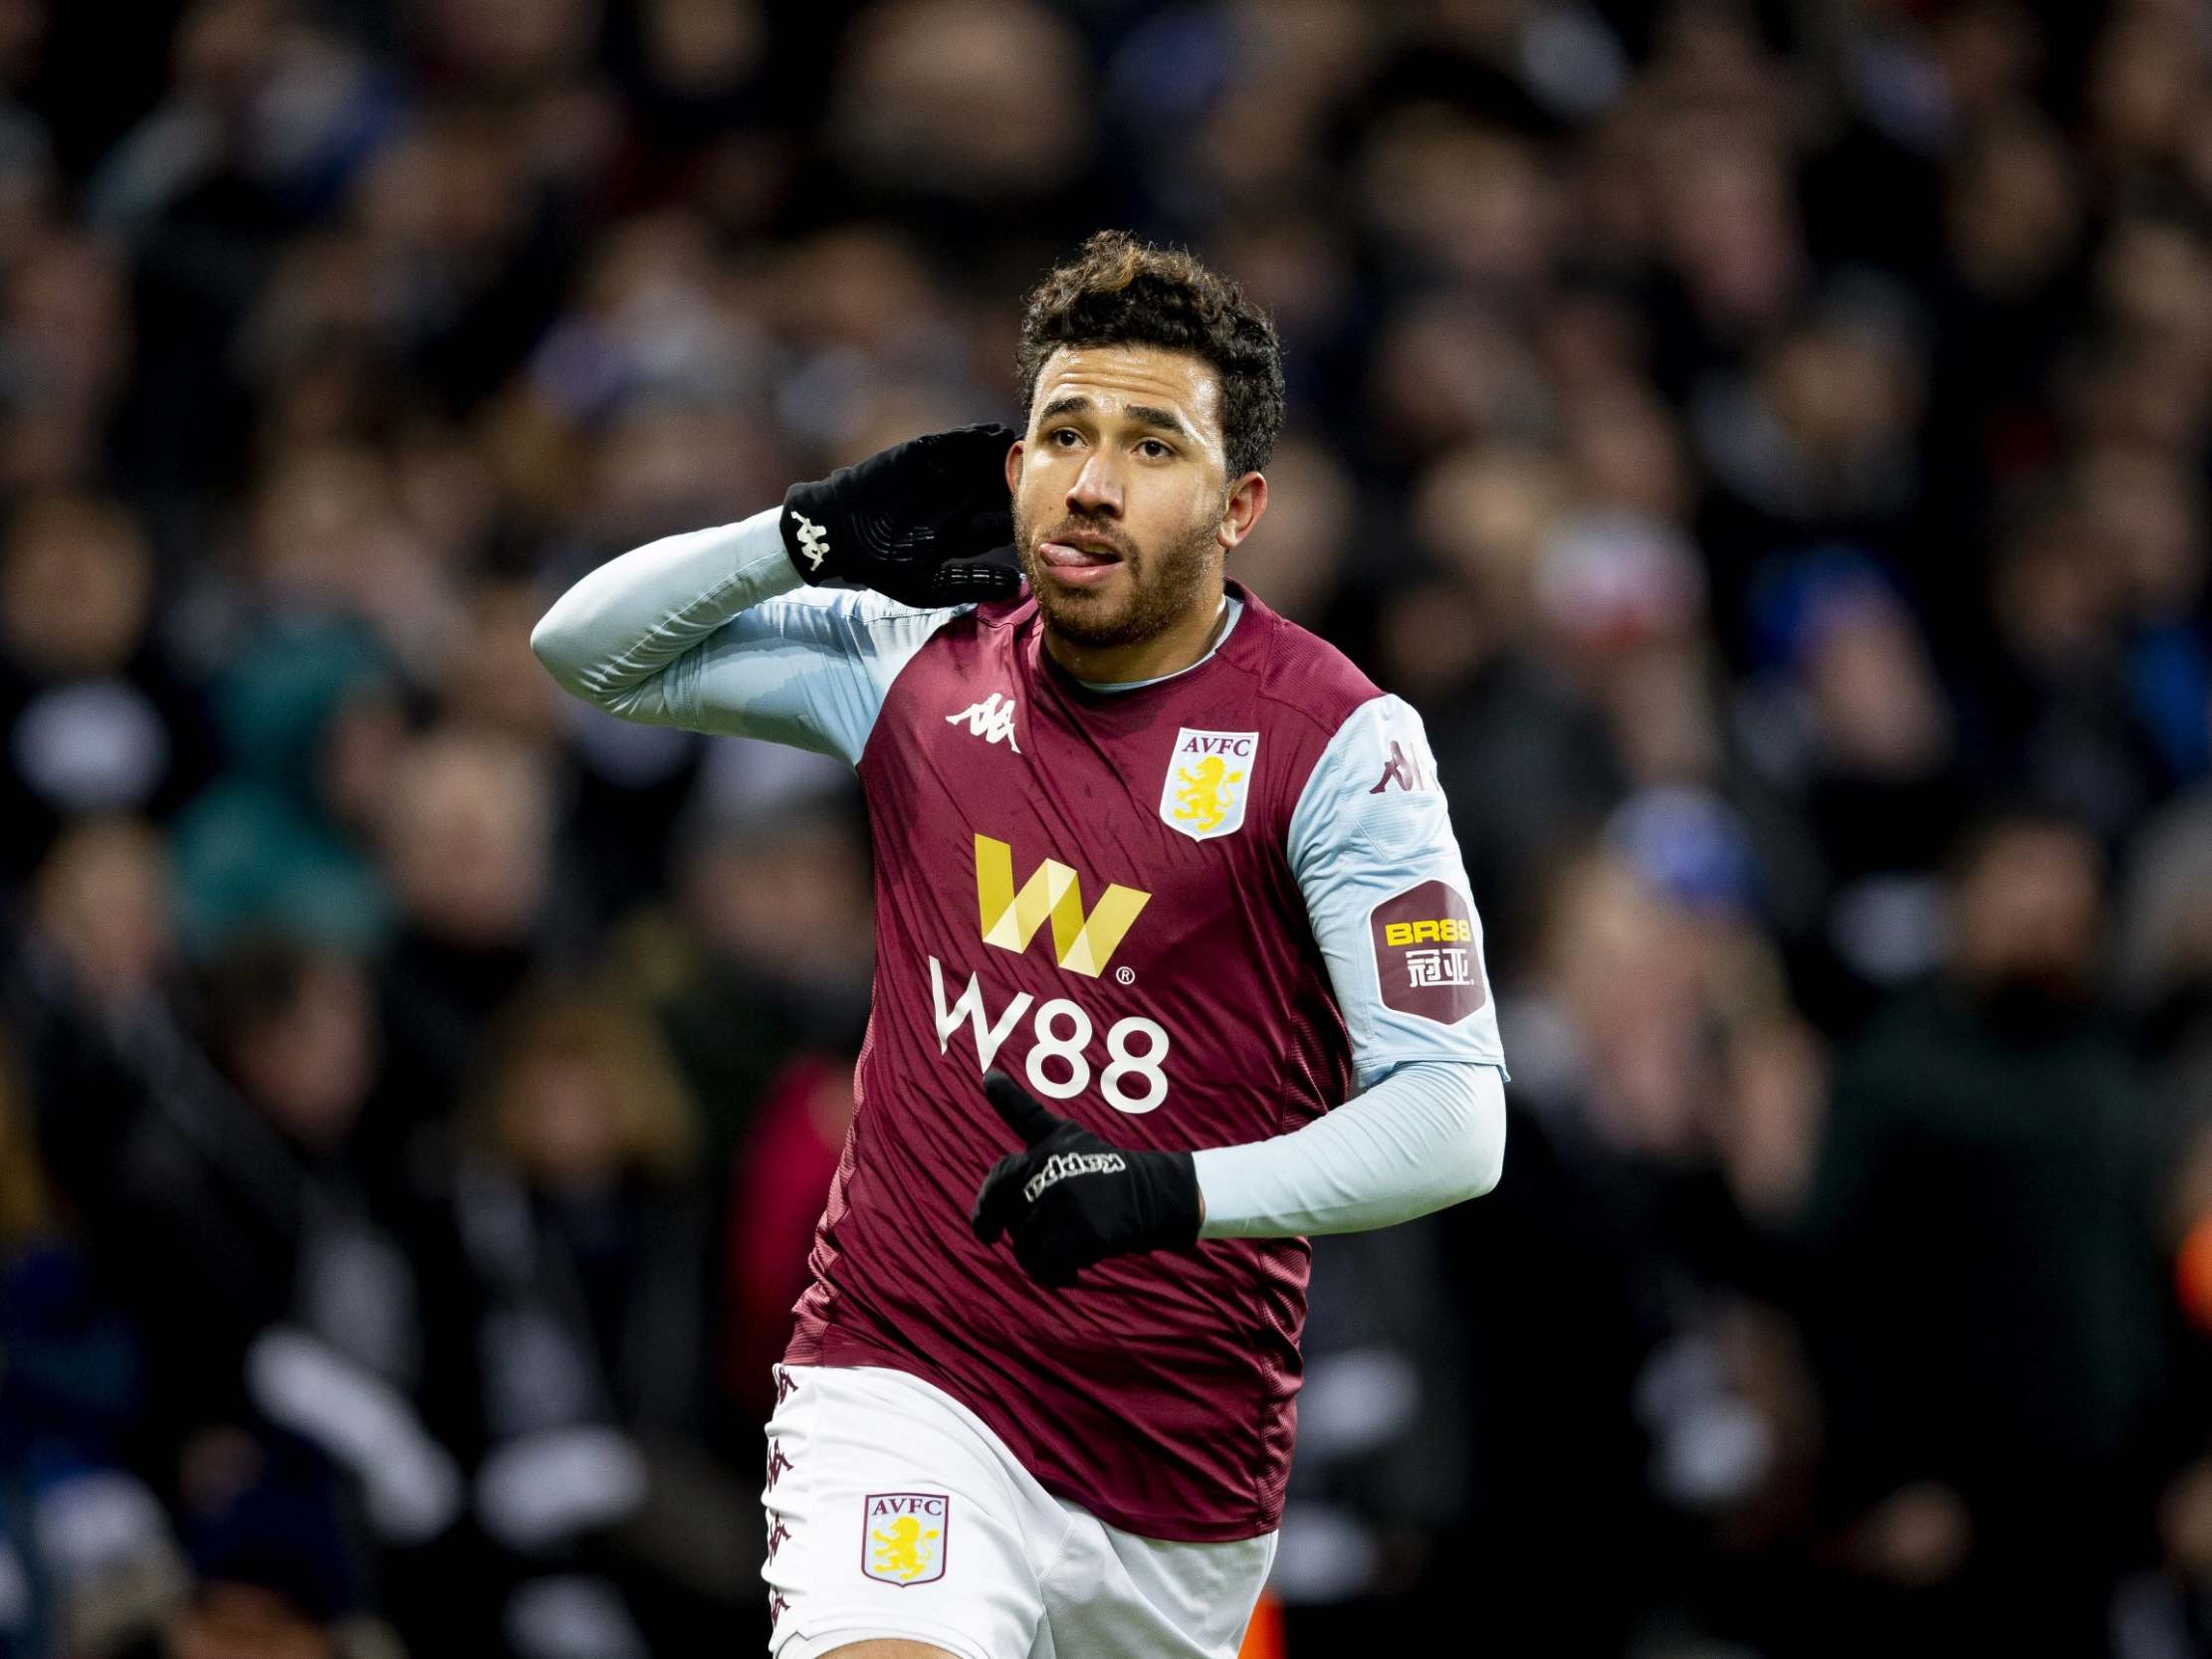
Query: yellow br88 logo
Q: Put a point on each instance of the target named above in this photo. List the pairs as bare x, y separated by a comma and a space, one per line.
1451, 930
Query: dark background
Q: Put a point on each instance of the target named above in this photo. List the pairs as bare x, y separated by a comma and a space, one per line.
1768, 444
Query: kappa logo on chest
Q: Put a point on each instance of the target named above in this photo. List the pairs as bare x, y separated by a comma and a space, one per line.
1209, 778
991, 719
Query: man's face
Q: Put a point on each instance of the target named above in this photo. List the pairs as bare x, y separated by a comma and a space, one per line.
1121, 499
309, 1066
2030, 912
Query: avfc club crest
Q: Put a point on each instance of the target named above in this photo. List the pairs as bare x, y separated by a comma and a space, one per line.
903, 1534
1210, 776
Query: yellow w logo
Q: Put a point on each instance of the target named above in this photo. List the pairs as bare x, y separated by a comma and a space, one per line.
1083, 943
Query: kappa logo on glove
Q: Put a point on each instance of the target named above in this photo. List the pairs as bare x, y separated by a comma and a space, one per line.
1060, 1166
907, 520
814, 541
1148, 1200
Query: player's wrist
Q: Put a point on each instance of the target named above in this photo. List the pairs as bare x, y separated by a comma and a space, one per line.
811, 529
1177, 1205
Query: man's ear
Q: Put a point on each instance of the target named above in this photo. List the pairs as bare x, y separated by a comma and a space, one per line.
1243, 509
1014, 467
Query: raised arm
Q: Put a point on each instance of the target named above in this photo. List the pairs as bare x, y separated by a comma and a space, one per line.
720, 630
711, 631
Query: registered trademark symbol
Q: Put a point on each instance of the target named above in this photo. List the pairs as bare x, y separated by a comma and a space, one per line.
1124, 974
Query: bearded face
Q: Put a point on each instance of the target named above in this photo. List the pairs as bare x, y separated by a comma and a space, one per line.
1097, 587
1122, 510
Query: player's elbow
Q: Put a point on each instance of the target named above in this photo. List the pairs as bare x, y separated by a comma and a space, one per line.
1483, 1148
551, 644
554, 644
1481, 1163
562, 641
1486, 1164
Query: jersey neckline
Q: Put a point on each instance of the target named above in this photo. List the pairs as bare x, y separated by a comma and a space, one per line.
1234, 642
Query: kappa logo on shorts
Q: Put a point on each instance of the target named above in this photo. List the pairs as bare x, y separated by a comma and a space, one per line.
903, 1537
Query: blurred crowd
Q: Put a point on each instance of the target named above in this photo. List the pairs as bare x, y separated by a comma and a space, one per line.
1767, 441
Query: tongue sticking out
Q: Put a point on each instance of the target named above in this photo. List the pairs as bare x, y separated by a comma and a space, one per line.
1062, 556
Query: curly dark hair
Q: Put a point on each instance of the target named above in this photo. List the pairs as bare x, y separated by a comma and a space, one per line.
1121, 292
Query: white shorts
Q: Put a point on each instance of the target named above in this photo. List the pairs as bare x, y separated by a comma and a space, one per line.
893, 1512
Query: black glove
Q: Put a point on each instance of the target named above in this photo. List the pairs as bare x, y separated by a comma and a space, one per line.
893, 520
1072, 1198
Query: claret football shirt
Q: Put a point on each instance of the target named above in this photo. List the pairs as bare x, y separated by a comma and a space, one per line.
1193, 912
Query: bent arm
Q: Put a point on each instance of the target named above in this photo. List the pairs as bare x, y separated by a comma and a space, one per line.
1428, 1136
1386, 894
713, 630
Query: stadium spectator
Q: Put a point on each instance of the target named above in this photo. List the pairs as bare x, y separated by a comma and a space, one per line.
276, 1289
583, 1226
278, 1574
468, 838
90, 981
764, 954
85, 1545
96, 717
1987, 1274
281, 837
791, 1150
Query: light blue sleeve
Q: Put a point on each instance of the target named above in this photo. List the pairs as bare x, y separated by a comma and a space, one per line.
1372, 834
713, 630
1428, 1136
1386, 895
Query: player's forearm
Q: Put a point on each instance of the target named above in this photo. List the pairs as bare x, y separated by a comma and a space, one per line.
1428, 1136
612, 637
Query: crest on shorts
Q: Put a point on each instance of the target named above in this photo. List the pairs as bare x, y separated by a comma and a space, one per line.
902, 1536
1209, 774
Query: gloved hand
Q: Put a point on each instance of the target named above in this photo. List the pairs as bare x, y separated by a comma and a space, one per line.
1072, 1198
894, 520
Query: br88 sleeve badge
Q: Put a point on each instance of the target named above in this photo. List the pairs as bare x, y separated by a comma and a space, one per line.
1427, 960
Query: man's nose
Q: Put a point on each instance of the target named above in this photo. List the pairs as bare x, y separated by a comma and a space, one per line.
1097, 488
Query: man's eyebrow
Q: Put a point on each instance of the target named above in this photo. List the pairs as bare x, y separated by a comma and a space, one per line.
1144, 414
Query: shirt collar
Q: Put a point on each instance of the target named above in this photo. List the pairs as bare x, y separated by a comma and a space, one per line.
1230, 602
